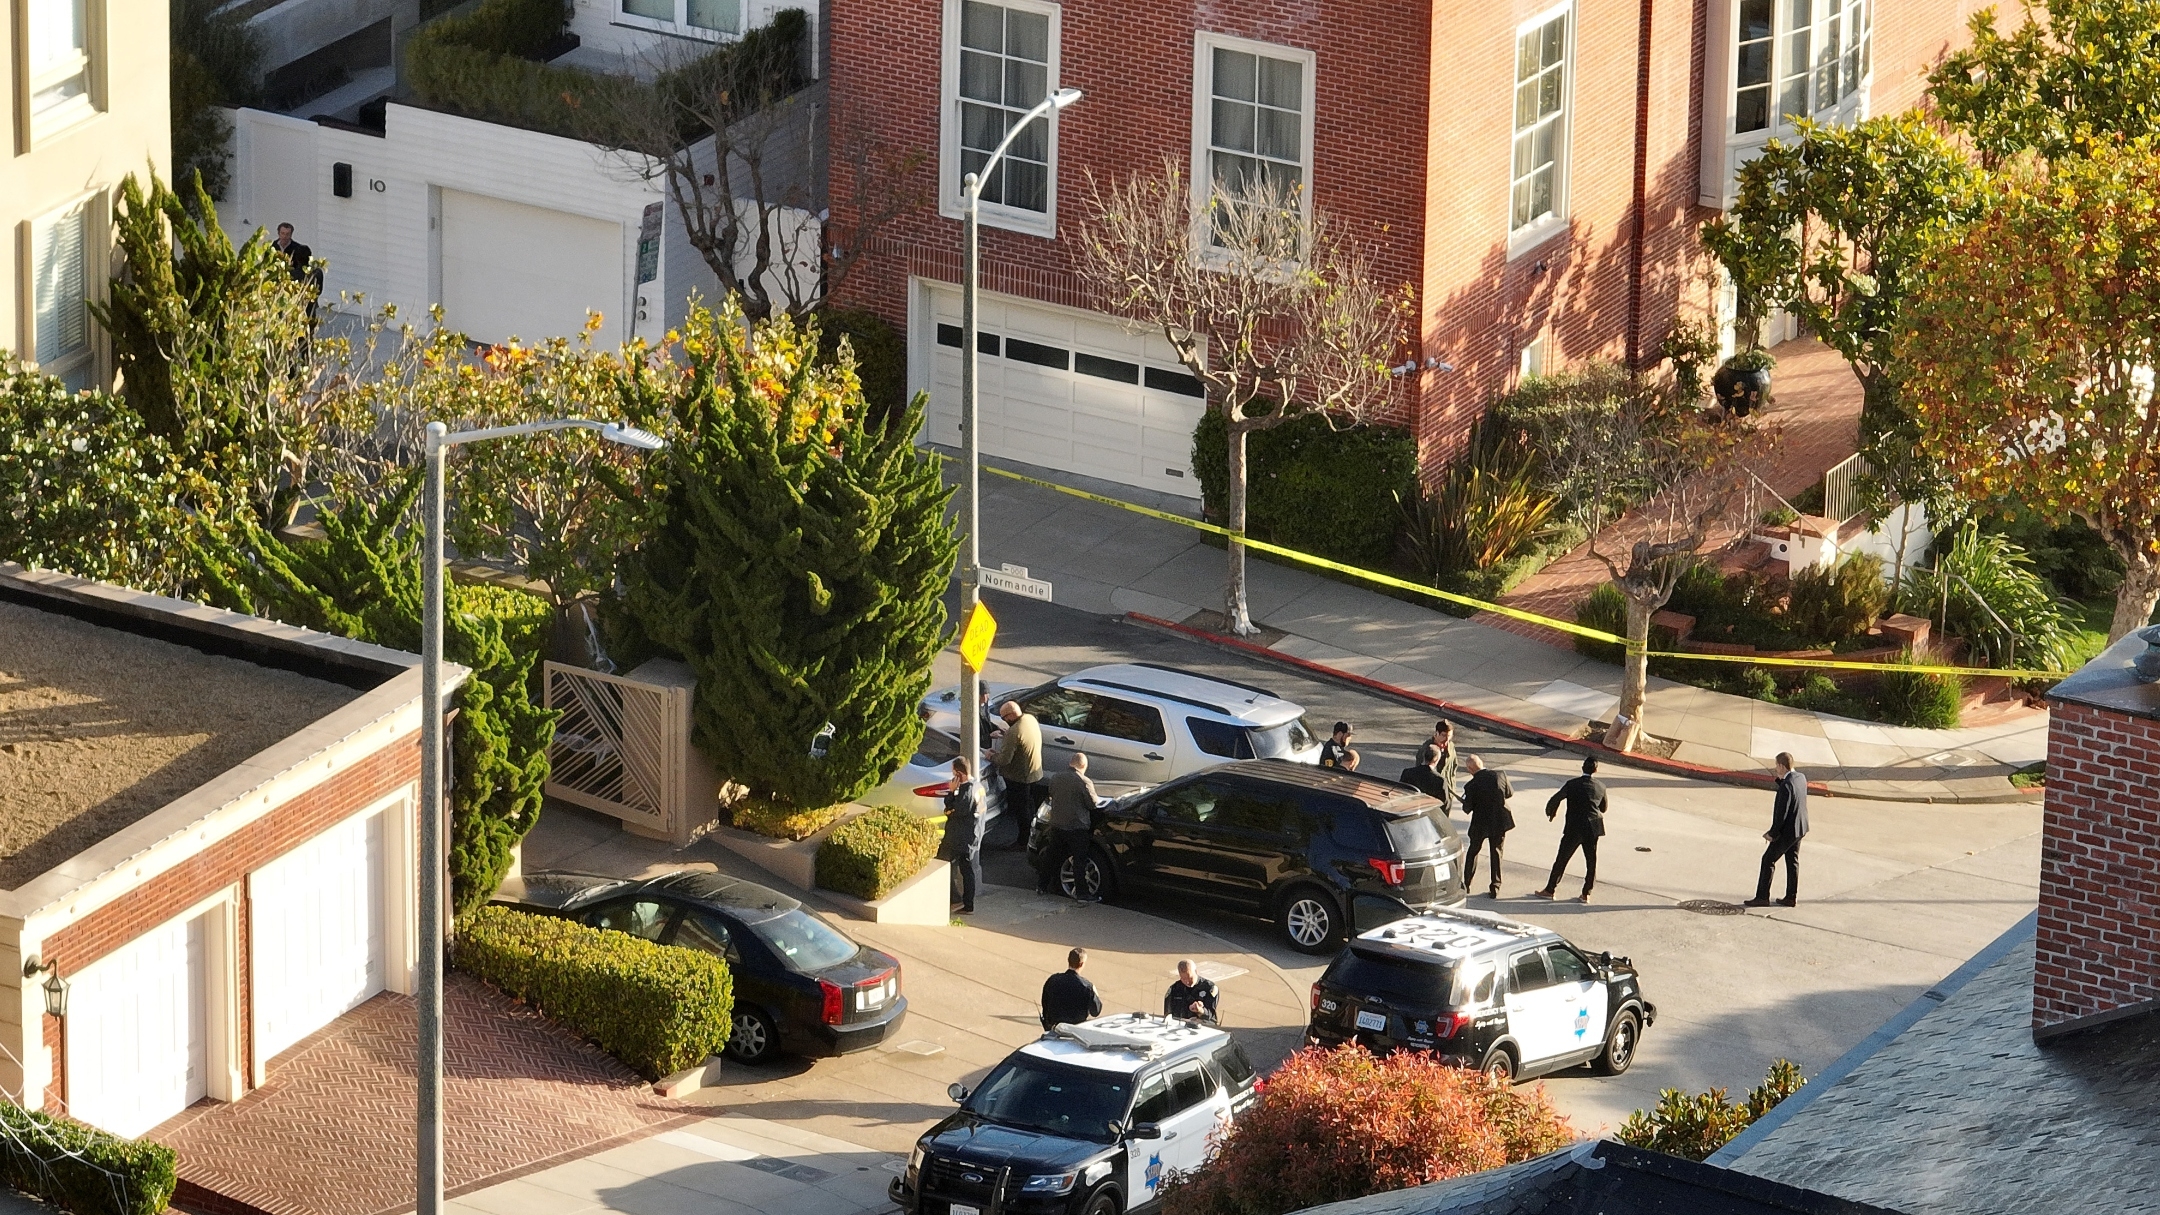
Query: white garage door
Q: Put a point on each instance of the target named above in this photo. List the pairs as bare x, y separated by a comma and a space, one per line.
1066, 390
317, 930
509, 270
137, 1031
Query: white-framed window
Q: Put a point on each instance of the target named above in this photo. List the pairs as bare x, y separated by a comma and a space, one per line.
59, 273
1252, 117
1538, 168
1799, 59
58, 62
1001, 60
692, 18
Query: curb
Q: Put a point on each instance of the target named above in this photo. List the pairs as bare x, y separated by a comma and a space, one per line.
1525, 732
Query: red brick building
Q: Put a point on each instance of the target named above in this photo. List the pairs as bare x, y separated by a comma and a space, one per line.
1534, 172
2097, 949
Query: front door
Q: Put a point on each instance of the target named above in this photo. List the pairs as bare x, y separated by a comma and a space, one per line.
1188, 1108
1581, 999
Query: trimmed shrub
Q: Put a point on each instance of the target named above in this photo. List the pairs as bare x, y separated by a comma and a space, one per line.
1695, 1126
1829, 606
82, 1169
1604, 608
1308, 486
1911, 698
658, 1008
874, 853
777, 820
1415, 1120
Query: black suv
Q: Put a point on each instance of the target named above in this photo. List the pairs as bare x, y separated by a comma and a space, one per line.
1482, 991
1315, 848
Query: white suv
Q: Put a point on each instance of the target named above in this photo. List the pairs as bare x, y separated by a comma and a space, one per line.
1145, 723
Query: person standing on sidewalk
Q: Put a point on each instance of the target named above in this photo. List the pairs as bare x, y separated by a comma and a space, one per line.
1788, 824
962, 845
1585, 799
1486, 797
1018, 758
1067, 997
1072, 827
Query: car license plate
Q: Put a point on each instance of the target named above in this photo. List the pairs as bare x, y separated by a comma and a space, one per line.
871, 997
1440, 872
957, 1209
1371, 1020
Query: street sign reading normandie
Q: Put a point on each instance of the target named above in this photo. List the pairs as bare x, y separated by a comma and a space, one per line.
1014, 580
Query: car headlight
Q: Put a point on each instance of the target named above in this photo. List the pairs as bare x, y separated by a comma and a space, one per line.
914, 1160
1050, 1183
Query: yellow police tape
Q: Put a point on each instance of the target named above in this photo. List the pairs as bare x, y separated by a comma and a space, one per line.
1501, 609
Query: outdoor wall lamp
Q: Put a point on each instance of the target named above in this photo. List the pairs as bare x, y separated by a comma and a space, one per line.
55, 987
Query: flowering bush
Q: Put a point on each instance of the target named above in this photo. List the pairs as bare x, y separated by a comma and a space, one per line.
1336, 1124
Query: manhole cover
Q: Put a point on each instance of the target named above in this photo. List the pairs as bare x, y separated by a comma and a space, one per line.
1712, 907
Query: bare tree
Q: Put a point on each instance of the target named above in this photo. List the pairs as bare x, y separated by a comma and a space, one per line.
1272, 310
1689, 479
738, 138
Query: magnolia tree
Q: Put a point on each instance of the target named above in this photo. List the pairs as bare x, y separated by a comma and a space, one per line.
1271, 308
1691, 479
2030, 345
2069, 75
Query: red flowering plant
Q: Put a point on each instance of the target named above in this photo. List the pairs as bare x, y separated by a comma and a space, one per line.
1336, 1124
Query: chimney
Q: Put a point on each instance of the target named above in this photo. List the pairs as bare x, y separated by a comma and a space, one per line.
2098, 950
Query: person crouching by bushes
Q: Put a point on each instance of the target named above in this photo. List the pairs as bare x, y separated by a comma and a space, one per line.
963, 835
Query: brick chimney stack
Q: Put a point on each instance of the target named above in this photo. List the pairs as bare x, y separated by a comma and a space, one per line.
2098, 950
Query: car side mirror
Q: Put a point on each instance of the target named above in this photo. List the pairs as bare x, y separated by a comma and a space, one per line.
1143, 1130
957, 1091
1604, 959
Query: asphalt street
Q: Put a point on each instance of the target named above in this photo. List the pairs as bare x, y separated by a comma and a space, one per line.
1893, 895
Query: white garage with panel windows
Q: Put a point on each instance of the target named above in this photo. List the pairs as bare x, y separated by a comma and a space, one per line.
317, 927
1062, 388
139, 1040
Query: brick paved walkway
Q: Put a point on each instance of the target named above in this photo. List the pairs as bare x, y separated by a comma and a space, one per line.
332, 1131
1816, 406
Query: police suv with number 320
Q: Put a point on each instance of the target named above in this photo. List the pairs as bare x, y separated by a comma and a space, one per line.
1090, 1119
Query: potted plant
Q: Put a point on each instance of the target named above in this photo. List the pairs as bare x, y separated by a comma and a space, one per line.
1742, 385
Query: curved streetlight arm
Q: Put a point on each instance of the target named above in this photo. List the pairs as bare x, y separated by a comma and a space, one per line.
971, 188
614, 432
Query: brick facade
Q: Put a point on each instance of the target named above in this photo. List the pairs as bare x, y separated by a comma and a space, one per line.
2098, 948
222, 866
1411, 138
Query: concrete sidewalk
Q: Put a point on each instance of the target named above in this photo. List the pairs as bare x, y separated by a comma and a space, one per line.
1103, 559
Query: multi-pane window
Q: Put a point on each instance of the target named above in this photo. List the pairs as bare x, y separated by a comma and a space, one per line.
1256, 123
59, 58
59, 284
1813, 54
696, 17
1540, 122
1004, 73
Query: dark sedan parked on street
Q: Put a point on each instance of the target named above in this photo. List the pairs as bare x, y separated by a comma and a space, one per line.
801, 988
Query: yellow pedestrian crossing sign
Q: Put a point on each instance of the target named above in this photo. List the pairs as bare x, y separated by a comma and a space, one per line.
975, 637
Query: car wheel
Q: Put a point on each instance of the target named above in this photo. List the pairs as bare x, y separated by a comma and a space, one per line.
753, 1038
1102, 1204
1621, 1038
1499, 1066
1309, 919
1095, 875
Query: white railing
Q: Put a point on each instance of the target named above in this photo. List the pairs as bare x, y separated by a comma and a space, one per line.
1841, 488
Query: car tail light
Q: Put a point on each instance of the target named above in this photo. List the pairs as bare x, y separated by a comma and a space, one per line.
835, 1001
1316, 997
1390, 872
1447, 1025
938, 790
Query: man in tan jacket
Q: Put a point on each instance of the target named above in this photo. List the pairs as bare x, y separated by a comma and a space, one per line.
1018, 758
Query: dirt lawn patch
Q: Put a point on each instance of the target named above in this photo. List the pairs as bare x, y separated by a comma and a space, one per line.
99, 727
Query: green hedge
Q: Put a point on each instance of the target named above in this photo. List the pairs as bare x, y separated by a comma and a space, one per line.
658, 1008
1314, 488
81, 1169
880, 354
873, 854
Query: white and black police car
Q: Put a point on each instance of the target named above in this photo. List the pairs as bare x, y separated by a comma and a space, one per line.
1509, 998
1090, 1119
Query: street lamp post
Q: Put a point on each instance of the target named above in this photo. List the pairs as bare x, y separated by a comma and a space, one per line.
432, 891
970, 431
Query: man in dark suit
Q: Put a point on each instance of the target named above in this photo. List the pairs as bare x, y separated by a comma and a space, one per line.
1585, 799
1067, 997
1788, 823
299, 256
1486, 795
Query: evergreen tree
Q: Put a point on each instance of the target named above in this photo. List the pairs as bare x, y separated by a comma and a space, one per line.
796, 559
363, 581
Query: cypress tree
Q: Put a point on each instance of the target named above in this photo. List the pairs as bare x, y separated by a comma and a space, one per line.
796, 560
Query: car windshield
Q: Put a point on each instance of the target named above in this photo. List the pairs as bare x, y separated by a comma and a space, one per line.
1414, 834
803, 941
1038, 1095
1283, 741
1398, 981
